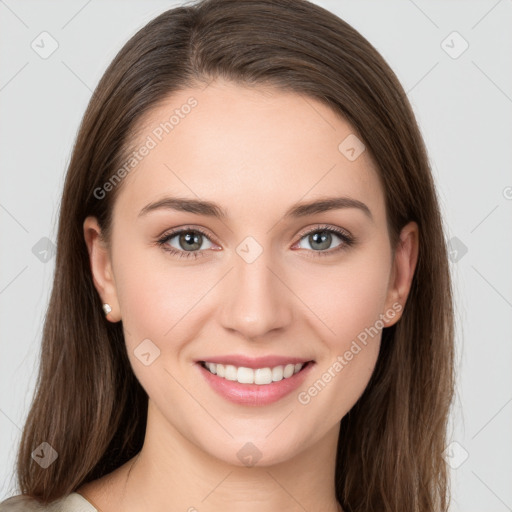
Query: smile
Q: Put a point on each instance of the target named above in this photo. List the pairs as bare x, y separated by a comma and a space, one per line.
259, 376
254, 386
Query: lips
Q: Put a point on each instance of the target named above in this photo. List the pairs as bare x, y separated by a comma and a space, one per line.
255, 394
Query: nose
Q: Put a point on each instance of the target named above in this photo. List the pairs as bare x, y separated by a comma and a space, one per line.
257, 299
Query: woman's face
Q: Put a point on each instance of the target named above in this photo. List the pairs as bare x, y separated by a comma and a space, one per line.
258, 282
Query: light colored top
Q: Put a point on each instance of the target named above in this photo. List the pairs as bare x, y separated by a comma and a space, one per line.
73, 502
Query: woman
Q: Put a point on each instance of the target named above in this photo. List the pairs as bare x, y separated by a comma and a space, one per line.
201, 351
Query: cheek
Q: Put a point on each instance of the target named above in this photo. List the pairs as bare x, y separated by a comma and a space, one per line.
357, 301
352, 344
157, 300
347, 297
347, 300
154, 291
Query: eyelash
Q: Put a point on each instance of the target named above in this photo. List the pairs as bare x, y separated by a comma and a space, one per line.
347, 240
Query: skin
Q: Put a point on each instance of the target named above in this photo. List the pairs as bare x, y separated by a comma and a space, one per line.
255, 152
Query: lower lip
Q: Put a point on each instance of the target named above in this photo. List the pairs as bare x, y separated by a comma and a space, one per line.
255, 394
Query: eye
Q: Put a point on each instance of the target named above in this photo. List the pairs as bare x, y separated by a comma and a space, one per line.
188, 243
321, 238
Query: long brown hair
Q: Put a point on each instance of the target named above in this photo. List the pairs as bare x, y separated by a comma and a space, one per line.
89, 406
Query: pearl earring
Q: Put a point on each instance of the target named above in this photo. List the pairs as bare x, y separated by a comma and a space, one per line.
107, 309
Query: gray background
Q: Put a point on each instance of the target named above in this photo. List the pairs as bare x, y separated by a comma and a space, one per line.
463, 106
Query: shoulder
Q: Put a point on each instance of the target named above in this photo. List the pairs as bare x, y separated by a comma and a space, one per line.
73, 502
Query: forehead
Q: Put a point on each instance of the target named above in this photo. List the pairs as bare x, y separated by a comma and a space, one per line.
248, 147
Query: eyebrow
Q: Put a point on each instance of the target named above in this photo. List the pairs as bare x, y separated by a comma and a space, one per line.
211, 209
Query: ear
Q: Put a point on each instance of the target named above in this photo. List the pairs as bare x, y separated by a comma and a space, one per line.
404, 265
101, 267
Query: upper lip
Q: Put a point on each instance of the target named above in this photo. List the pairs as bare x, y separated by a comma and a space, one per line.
254, 362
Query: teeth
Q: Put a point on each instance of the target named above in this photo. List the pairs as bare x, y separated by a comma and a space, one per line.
259, 376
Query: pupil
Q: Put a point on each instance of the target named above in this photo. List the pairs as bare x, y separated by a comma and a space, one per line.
189, 239
324, 239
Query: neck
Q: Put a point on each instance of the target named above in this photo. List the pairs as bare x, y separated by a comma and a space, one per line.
172, 473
